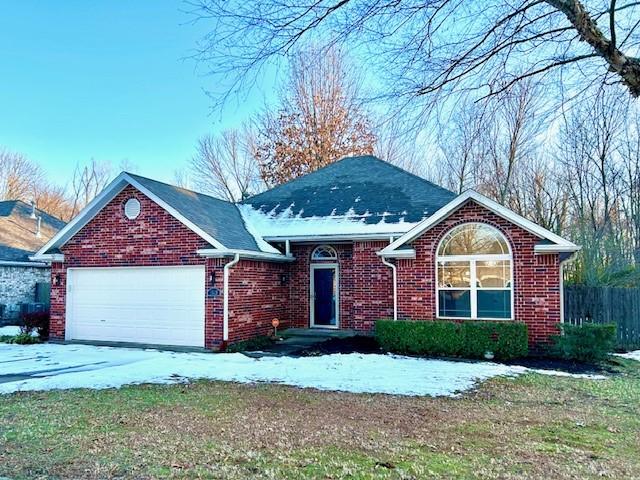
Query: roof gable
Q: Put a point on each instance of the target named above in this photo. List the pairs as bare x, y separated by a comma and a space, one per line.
364, 188
218, 218
216, 221
550, 242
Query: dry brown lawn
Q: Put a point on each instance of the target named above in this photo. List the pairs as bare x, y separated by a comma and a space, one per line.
530, 427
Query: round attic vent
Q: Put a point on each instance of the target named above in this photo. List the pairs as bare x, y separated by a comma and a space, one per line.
132, 208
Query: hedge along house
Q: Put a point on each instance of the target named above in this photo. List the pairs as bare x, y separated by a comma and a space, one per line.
23, 230
351, 243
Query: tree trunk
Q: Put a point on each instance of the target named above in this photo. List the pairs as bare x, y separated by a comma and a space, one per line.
628, 68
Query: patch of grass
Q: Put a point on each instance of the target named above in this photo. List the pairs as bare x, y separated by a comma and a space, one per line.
24, 339
533, 426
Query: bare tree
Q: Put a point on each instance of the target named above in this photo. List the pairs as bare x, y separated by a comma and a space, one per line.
225, 166
319, 121
19, 176
53, 199
589, 142
181, 178
540, 194
463, 146
629, 151
427, 48
511, 140
397, 145
88, 180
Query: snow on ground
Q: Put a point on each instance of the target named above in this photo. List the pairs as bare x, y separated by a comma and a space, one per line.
52, 366
635, 355
9, 330
559, 373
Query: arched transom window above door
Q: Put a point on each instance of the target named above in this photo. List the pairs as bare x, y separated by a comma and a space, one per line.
474, 273
324, 252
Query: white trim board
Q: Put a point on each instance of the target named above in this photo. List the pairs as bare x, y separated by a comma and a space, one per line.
560, 244
102, 199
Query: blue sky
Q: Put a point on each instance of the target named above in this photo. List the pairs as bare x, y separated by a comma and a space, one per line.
107, 80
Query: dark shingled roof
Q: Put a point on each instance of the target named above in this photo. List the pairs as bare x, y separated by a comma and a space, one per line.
18, 238
218, 218
366, 184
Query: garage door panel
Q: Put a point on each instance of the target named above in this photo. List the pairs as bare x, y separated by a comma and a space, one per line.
157, 305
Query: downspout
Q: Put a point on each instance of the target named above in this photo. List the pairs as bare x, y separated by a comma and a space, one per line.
225, 314
562, 264
395, 287
395, 284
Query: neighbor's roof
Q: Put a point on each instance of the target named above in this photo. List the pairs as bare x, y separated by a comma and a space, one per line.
353, 195
18, 237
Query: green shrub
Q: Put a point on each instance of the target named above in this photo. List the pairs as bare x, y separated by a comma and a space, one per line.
24, 339
256, 343
470, 339
590, 342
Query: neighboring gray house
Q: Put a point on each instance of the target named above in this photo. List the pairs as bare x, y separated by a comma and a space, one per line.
23, 230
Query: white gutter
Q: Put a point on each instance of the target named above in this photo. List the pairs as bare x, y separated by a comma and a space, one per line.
47, 257
554, 248
225, 314
248, 254
9, 263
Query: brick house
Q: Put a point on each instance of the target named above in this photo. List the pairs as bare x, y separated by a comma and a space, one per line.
351, 243
24, 229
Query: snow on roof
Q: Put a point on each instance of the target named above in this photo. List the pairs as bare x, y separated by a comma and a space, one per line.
287, 224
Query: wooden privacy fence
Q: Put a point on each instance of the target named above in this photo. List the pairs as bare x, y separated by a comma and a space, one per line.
605, 305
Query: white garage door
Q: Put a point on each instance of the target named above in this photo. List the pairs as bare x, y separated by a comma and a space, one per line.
157, 305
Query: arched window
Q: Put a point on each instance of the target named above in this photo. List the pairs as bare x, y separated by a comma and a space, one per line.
324, 252
474, 270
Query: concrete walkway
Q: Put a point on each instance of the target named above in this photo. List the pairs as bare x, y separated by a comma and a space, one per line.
295, 340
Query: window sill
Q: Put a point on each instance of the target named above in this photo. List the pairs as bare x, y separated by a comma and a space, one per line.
487, 319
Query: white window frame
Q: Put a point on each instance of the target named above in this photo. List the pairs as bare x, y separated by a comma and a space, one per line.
327, 248
473, 283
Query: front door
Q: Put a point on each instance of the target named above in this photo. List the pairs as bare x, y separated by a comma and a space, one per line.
324, 296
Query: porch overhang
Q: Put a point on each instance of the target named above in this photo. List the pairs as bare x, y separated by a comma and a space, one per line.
244, 254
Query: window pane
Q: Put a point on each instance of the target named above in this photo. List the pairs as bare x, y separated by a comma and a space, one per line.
454, 303
474, 239
454, 274
493, 274
494, 304
324, 252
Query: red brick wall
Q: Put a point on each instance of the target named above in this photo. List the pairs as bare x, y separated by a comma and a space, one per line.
154, 238
372, 286
366, 292
536, 277
256, 297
